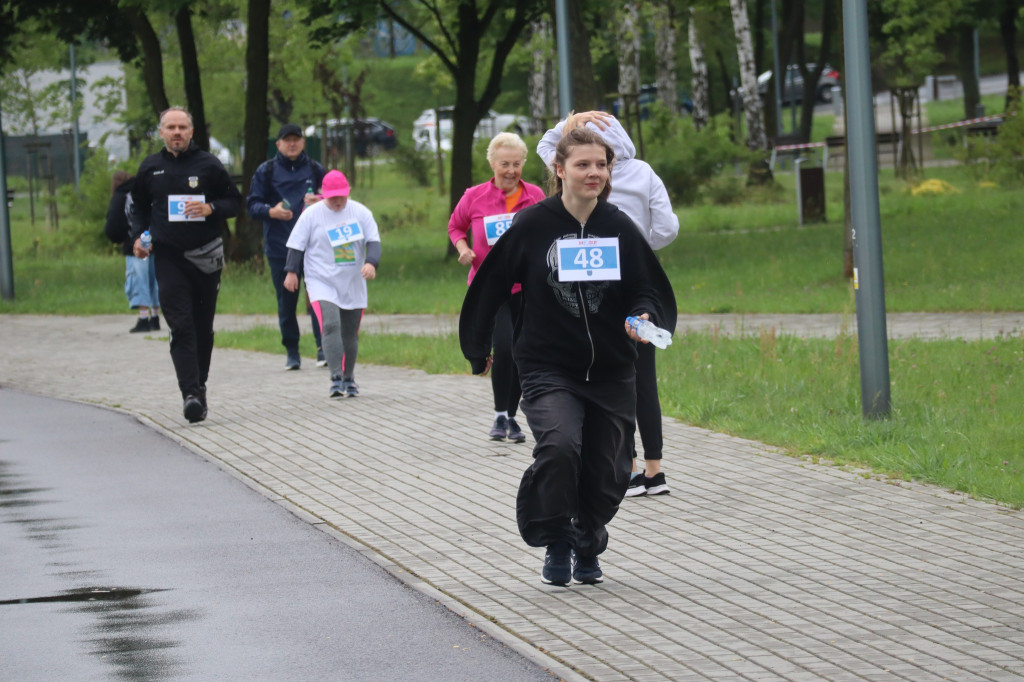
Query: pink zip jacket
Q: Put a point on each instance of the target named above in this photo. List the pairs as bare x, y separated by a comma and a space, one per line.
476, 204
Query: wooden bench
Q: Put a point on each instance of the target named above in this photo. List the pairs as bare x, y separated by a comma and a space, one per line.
835, 145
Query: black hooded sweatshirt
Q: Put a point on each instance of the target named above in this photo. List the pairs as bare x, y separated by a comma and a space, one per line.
575, 328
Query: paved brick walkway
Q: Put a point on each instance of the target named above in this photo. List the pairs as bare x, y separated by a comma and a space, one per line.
759, 566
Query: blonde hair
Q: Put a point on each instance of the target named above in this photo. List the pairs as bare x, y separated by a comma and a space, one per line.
507, 140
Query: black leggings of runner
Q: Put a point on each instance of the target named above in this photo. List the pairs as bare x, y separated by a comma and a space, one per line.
504, 375
648, 405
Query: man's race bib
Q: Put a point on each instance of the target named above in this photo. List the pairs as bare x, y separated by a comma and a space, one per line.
588, 260
495, 226
343, 238
176, 208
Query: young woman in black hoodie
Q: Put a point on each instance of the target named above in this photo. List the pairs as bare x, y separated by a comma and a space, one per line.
583, 267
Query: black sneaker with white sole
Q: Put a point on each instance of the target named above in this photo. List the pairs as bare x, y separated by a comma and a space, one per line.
557, 564
586, 570
636, 485
656, 485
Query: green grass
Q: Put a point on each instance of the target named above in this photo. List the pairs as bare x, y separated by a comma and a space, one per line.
940, 253
956, 405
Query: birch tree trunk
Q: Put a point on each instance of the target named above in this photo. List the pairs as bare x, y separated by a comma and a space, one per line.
665, 54
629, 57
756, 138
541, 46
699, 67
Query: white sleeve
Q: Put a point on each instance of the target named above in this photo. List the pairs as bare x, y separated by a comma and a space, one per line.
299, 238
547, 144
664, 221
370, 230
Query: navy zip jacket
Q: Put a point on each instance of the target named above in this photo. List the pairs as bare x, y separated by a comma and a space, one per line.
575, 328
277, 179
192, 172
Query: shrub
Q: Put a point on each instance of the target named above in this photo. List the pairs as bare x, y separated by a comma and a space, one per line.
687, 159
414, 164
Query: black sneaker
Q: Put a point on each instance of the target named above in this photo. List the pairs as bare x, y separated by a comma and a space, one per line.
337, 386
515, 434
636, 485
294, 361
656, 485
557, 565
193, 409
142, 325
321, 361
586, 570
154, 323
500, 429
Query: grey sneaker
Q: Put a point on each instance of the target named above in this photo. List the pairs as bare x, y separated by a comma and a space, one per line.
337, 386
557, 565
515, 434
294, 361
351, 389
500, 429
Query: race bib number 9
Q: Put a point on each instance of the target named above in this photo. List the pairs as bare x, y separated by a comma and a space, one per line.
496, 225
176, 208
346, 233
588, 260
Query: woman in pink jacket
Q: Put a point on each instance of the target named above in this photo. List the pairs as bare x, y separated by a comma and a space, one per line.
481, 217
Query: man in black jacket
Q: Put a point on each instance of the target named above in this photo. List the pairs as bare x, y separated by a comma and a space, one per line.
183, 196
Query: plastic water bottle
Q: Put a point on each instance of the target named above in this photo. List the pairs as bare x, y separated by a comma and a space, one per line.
146, 241
647, 330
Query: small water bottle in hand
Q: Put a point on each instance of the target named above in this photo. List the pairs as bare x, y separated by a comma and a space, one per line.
146, 241
647, 330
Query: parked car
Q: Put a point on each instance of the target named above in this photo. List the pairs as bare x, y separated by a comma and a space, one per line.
649, 95
793, 87
426, 125
369, 135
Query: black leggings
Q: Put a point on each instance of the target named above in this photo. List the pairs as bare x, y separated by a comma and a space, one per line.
504, 375
648, 405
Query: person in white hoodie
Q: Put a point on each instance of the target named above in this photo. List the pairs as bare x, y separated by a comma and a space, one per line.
640, 194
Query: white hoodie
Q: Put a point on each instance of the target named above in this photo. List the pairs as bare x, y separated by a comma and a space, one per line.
636, 188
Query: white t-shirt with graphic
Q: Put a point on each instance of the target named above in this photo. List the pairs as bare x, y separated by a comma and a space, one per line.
335, 248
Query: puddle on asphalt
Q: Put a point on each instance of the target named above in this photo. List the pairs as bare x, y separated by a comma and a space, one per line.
129, 629
84, 594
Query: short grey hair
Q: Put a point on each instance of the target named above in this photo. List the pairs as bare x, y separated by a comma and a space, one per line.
507, 140
168, 110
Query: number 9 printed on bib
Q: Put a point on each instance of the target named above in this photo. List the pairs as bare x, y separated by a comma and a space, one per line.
343, 238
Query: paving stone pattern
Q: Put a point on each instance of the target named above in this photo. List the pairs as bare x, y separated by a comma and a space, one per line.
758, 566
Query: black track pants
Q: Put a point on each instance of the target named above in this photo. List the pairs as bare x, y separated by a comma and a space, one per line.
581, 466
189, 300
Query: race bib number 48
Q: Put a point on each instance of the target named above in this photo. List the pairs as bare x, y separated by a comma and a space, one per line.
496, 225
176, 208
588, 260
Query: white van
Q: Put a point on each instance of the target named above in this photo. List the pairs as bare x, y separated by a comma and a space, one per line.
425, 127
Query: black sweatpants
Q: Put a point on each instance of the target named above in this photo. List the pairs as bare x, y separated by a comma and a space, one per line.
189, 300
287, 319
581, 463
648, 405
504, 375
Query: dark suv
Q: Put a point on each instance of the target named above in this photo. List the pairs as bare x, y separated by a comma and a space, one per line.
369, 135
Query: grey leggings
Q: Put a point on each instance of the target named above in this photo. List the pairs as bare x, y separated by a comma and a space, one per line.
339, 331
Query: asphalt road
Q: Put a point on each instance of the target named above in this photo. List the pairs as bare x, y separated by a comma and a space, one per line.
125, 556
